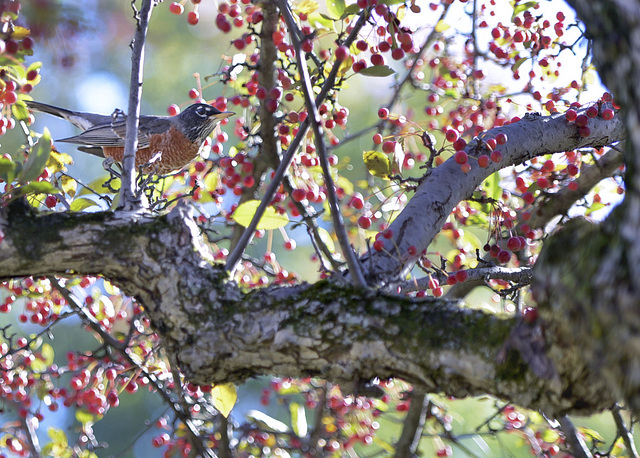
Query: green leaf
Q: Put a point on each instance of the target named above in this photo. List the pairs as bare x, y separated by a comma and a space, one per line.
377, 71
377, 163
37, 159
492, 186
35, 187
518, 63
224, 397
7, 170
350, 10
298, 419
82, 204
326, 238
335, 8
321, 21
270, 220
594, 207
519, 8
20, 110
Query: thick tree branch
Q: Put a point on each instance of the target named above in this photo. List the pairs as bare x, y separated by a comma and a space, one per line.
331, 330
445, 186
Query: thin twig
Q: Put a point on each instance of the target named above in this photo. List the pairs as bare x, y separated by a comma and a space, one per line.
129, 198
579, 448
624, 432
338, 223
413, 424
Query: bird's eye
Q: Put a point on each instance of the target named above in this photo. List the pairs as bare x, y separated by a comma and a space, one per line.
201, 111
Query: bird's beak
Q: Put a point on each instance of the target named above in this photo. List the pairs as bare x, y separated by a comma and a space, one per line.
223, 115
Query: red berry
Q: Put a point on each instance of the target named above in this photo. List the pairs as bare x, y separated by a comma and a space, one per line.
514, 243
581, 120
298, 195
377, 139
501, 138
193, 17
459, 144
496, 156
377, 59
359, 66
592, 112
543, 182
584, 131
462, 276
572, 170
290, 245
528, 197
571, 115
460, 157
51, 201
342, 52
451, 135
484, 161
364, 222
504, 256
491, 143
530, 314
378, 245
607, 114
357, 201
389, 146
176, 8
383, 113
173, 109
397, 54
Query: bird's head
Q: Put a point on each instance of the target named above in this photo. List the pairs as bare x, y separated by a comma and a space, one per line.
199, 120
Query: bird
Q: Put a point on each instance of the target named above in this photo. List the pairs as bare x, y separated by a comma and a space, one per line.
171, 142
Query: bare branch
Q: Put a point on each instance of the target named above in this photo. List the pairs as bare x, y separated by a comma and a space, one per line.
236, 254
130, 200
355, 269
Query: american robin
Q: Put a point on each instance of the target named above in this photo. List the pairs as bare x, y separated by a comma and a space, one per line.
176, 140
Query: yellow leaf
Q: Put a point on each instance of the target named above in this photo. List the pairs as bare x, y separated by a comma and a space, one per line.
270, 220
441, 26
19, 33
307, 7
69, 185
224, 397
377, 163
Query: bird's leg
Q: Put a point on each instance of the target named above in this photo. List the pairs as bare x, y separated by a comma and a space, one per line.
108, 164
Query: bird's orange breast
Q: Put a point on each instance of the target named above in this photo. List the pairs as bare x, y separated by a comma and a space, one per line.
176, 152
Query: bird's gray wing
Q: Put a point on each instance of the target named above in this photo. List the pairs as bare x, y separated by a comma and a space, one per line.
113, 133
